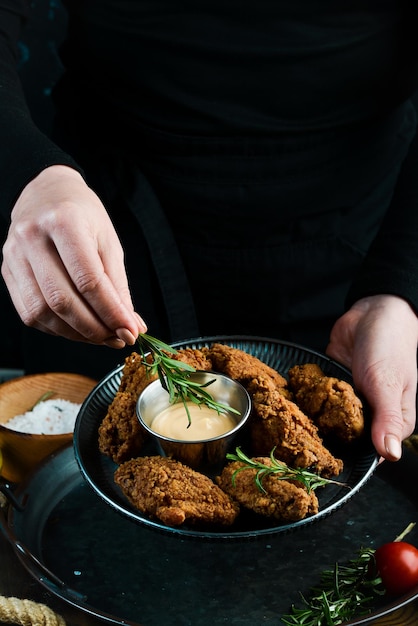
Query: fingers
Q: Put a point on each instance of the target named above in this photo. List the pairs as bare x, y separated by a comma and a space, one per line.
65, 272
377, 339
392, 404
47, 299
34, 311
95, 269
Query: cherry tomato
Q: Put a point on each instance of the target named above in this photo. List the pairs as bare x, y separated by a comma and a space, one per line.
397, 564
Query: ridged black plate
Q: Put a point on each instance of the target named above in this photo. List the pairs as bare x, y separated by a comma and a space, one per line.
359, 460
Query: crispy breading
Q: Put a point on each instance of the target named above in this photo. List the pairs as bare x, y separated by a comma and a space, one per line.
245, 367
283, 500
134, 375
120, 434
330, 402
174, 493
121, 437
278, 422
197, 358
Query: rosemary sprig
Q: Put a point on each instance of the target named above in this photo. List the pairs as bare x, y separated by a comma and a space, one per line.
175, 376
44, 396
344, 592
405, 532
280, 470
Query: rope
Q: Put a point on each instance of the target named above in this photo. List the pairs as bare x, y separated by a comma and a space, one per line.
27, 613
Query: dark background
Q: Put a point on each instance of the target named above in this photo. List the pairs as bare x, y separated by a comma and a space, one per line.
39, 67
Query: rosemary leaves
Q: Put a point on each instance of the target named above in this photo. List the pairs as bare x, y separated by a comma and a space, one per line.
280, 470
344, 592
174, 376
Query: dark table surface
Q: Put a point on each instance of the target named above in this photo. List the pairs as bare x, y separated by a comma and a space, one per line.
382, 509
15, 581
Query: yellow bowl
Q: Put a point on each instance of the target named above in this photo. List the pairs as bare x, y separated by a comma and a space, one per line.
21, 452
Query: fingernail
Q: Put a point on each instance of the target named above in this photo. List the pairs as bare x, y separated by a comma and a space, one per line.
393, 447
114, 342
126, 336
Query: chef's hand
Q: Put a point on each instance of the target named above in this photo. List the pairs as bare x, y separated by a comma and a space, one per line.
63, 263
377, 339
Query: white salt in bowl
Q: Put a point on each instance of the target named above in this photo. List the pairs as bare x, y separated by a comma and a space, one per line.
23, 451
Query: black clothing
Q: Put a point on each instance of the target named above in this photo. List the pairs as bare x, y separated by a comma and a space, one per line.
275, 142
25, 151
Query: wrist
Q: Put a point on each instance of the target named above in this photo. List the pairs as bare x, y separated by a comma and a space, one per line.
387, 301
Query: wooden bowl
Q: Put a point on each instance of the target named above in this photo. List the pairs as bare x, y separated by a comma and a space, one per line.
21, 452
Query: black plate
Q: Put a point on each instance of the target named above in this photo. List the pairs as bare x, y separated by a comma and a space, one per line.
84, 552
359, 460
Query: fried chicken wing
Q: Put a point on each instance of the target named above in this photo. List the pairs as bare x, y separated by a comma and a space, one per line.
197, 358
278, 422
245, 367
283, 500
120, 435
174, 493
330, 402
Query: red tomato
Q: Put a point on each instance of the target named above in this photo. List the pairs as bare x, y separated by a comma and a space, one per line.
397, 564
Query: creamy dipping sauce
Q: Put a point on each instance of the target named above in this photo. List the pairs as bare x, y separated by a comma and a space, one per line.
206, 423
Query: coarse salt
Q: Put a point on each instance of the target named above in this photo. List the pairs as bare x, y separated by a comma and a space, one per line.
49, 417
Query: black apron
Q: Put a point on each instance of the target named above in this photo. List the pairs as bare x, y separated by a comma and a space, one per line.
244, 236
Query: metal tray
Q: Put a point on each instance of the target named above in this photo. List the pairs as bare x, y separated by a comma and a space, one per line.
96, 559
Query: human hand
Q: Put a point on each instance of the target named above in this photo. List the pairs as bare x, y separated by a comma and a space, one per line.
63, 263
377, 340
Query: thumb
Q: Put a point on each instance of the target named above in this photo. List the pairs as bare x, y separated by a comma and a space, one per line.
392, 406
387, 426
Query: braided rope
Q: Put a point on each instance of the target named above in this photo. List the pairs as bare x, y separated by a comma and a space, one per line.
27, 613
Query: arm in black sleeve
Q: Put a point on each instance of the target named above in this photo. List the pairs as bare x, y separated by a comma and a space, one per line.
391, 265
24, 150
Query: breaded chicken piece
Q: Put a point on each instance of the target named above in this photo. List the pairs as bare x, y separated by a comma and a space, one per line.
174, 493
279, 422
245, 367
283, 500
197, 358
330, 402
134, 375
121, 437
